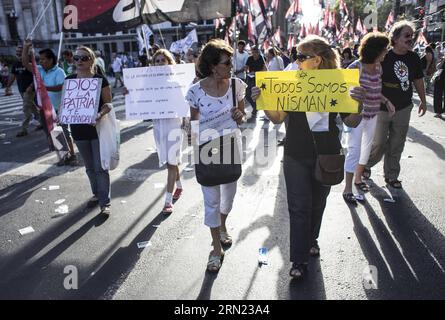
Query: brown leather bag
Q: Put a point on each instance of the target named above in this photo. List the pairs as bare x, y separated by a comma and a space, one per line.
329, 169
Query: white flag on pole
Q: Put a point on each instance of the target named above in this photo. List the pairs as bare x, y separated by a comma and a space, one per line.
141, 30
184, 44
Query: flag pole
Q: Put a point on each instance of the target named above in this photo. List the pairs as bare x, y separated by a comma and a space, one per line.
59, 52
39, 19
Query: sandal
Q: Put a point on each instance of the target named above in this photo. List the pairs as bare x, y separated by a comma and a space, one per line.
396, 184
298, 270
366, 173
225, 238
349, 198
362, 186
215, 262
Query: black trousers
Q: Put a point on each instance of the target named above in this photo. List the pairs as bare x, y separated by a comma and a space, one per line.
250, 85
439, 92
306, 199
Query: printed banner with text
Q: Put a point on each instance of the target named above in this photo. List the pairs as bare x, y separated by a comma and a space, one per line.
158, 92
308, 91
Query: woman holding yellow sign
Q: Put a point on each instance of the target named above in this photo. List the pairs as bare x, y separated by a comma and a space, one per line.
306, 196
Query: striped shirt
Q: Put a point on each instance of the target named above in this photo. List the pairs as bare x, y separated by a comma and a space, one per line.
372, 83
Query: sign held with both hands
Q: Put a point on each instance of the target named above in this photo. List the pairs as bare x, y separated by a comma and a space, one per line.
308, 91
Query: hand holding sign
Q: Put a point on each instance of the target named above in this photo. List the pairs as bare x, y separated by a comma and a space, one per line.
309, 91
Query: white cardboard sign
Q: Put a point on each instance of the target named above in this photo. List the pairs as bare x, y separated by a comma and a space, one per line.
158, 92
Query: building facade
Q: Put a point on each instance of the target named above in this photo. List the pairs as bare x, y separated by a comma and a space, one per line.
18, 18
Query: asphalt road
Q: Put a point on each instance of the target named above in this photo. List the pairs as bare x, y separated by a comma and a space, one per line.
402, 243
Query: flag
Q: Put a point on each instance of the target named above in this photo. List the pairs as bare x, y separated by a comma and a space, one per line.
43, 100
250, 29
389, 21
47, 113
274, 5
116, 15
141, 30
277, 38
261, 21
303, 31
343, 8
293, 9
290, 42
181, 46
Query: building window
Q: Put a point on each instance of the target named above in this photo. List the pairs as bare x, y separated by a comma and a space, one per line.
127, 47
134, 46
113, 47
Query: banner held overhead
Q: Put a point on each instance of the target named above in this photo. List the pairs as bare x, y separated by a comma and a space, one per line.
116, 15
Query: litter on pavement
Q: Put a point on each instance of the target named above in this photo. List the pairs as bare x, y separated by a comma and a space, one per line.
389, 200
50, 188
26, 230
262, 256
60, 201
144, 244
63, 209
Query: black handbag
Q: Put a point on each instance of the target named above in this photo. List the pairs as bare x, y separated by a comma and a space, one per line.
329, 168
219, 160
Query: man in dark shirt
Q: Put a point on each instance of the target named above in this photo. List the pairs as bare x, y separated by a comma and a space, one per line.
401, 69
254, 63
26, 89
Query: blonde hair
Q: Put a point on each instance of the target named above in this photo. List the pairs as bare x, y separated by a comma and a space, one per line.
92, 56
164, 53
318, 46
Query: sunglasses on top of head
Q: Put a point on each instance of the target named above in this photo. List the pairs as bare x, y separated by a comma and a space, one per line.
302, 57
81, 58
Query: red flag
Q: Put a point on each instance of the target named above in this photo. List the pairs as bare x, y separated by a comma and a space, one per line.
359, 27
277, 37
293, 9
317, 29
291, 42
303, 32
250, 28
43, 100
343, 7
274, 5
389, 21
327, 15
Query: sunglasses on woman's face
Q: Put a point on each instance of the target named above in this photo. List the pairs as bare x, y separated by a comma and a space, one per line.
226, 63
302, 57
81, 58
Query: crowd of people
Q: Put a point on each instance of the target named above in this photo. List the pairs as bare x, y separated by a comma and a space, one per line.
389, 71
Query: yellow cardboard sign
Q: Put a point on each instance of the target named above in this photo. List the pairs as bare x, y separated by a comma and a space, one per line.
308, 91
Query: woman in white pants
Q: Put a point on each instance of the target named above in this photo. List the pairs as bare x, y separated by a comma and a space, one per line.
372, 51
209, 98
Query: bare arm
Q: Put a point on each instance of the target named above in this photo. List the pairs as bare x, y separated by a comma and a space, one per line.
276, 117
106, 98
420, 88
25, 55
55, 88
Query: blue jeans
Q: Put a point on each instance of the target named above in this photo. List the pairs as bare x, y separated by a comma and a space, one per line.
306, 200
99, 178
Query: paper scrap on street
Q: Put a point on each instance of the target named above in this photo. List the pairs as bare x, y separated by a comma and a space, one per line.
63, 209
262, 256
188, 169
60, 201
50, 188
144, 244
39, 201
123, 201
156, 225
7, 142
26, 230
389, 200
